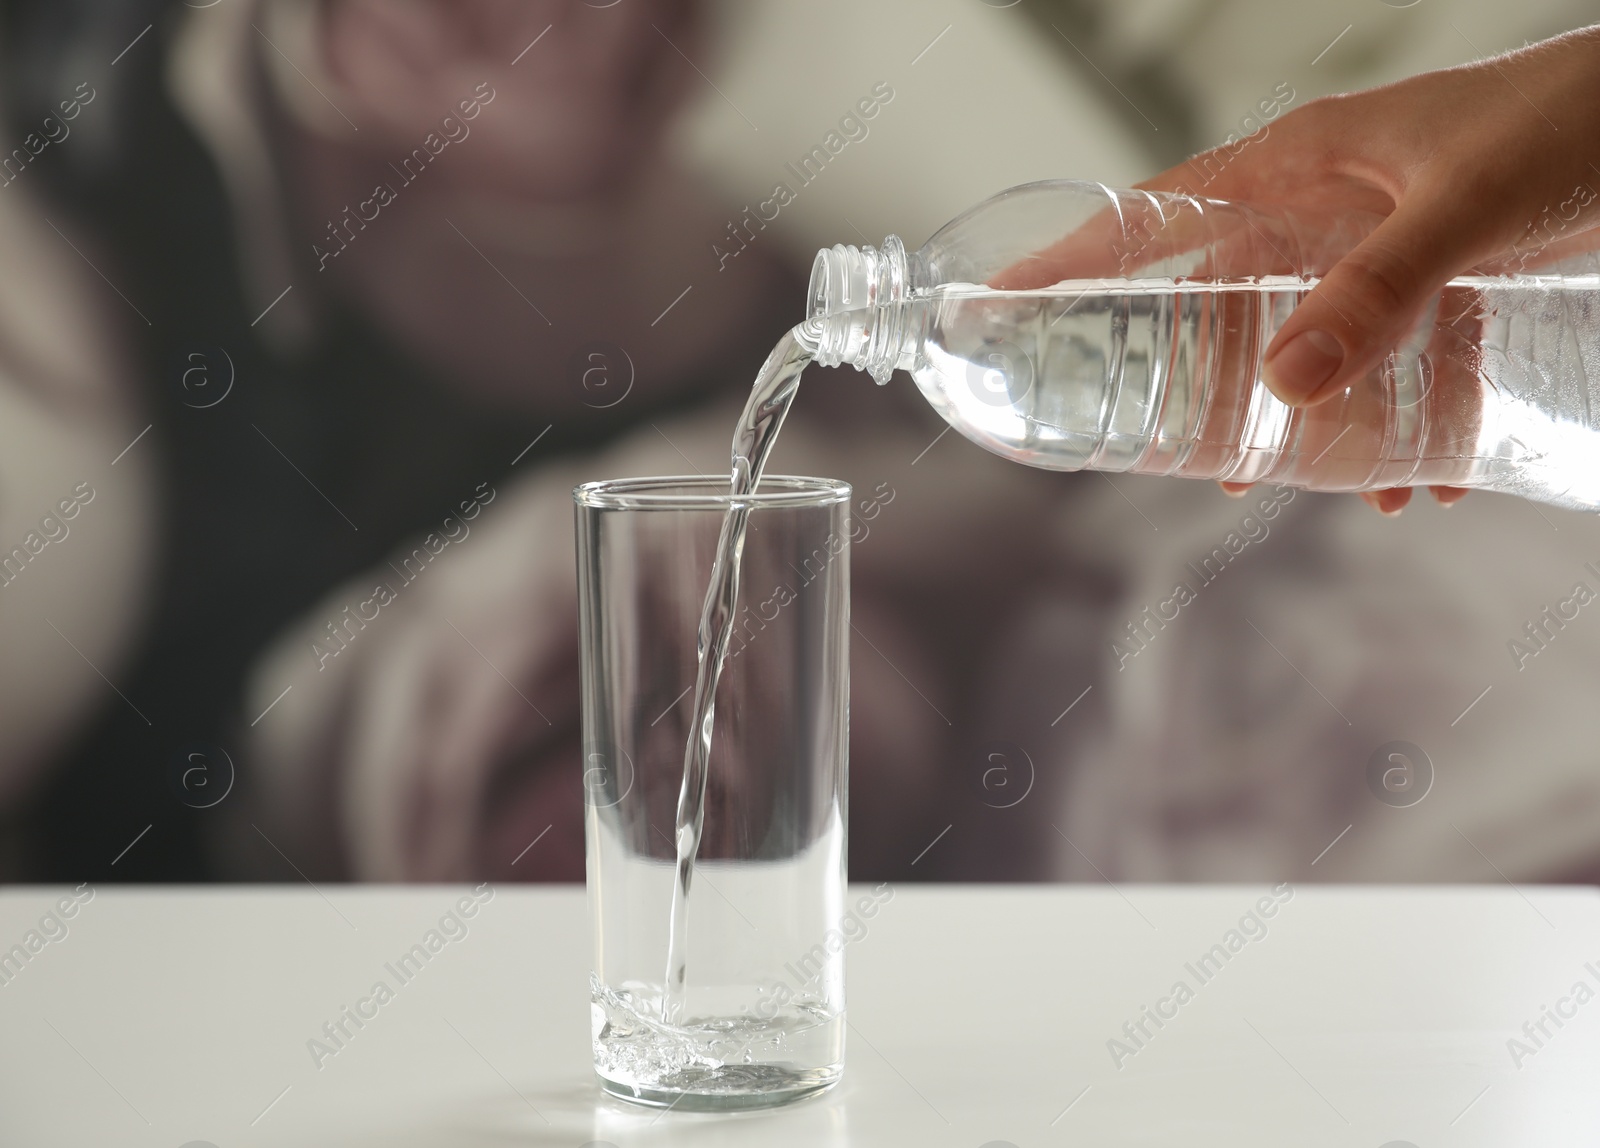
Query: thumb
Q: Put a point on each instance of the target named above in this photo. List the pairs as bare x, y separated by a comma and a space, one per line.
1367, 303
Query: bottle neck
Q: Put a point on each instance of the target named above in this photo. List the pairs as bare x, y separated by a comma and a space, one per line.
858, 313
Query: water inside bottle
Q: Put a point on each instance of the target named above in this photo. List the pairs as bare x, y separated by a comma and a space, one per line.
1163, 376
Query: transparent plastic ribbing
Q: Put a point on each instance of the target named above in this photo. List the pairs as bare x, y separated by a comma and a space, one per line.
1068, 325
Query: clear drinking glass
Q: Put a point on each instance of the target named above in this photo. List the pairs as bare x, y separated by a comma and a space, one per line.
761, 1019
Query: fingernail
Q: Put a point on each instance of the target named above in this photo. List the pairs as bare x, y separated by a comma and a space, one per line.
1233, 493
1303, 364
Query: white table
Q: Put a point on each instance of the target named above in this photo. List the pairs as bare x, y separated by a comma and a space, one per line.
978, 1014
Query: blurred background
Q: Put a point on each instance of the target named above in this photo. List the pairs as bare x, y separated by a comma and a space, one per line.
310, 300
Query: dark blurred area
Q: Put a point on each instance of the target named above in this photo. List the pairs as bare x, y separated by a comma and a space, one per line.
395, 435
359, 290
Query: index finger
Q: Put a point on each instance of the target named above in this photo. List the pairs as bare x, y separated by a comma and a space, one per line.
1147, 233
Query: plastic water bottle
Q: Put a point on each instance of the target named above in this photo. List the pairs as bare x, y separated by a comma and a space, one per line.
1069, 325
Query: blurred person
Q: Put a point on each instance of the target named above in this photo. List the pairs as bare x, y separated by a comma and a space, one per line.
1172, 770
996, 730
76, 503
309, 410
377, 248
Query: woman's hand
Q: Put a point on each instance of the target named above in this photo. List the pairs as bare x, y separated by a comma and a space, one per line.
1493, 164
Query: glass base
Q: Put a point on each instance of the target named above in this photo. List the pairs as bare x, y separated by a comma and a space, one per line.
731, 1088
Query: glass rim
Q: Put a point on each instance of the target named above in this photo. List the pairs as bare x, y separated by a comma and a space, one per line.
708, 492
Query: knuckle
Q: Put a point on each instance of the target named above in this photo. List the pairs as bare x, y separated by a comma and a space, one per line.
1330, 117
1380, 285
1323, 111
